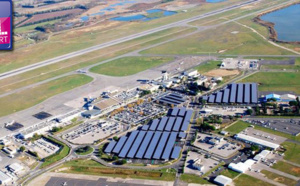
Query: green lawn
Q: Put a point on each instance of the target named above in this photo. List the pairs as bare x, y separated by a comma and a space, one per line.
292, 152
229, 39
237, 127
206, 67
84, 150
63, 152
191, 178
84, 162
279, 67
287, 168
32, 96
279, 178
129, 65
229, 173
245, 180
276, 81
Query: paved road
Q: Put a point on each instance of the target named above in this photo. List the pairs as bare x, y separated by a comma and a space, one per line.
122, 40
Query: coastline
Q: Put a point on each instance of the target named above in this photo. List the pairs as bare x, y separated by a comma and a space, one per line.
273, 36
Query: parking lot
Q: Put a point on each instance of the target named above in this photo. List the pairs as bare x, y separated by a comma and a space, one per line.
224, 111
207, 163
43, 147
263, 135
289, 126
221, 148
88, 133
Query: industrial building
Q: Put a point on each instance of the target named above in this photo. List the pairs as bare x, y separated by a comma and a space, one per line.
222, 180
235, 93
198, 164
156, 140
241, 167
4, 178
172, 99
256, 141
262, 155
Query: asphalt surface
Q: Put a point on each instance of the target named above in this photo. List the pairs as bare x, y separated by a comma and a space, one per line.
121, 40
57, 181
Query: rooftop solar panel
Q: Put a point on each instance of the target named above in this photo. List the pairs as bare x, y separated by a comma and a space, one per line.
170, 124
219, 97
177, 124
247, 93
233, 93
169, 146
110, 146
145, 127
144, 145
205, 98
176, 152
171, 99
162, 123
211, 98
182, 111
161, 145
182, 135
168, 102
128, 144
175, 111
152, 145
154, 124
136, 144
240, 94
177, 95
254, 93
226, 96
175, 98
120, 144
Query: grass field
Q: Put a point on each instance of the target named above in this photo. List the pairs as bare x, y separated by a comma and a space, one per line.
190, 178
246, 180
30, 97
206, 67
287, 168
229, 173
276, 81
292, 153
279, 178
129, 65
84, 150
220, 39
237, 127
91, 167
63, 152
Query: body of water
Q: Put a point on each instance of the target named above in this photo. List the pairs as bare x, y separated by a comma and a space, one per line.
287, 22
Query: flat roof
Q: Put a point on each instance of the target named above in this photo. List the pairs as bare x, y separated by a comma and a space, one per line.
257, 141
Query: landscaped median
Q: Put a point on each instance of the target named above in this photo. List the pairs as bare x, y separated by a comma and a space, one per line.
59, 155
91, 167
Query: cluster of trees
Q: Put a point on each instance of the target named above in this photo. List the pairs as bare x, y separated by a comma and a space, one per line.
145, 92
207, 127
83, 149
293, 109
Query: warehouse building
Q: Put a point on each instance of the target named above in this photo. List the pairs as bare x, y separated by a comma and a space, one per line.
241, 93
241, 167
256, 141
222, 180
4, 178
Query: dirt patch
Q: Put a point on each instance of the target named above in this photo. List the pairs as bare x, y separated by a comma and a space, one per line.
296, 170
221, 72
279, 179
143, 6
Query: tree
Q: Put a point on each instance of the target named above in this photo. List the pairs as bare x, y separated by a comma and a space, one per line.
115, 158
293, 103
249, 111
254, 147
22, 148
115, 138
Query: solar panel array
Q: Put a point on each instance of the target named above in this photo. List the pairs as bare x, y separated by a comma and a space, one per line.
173, 99
157, 141
241, 93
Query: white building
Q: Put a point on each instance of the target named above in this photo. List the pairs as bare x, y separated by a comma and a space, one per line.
262, 155
167, 84
222, 180
11, 150
191, 73
223, 132
241, 167
69, 116
198, 164
4, 178
15, 168
256, 141
40, 128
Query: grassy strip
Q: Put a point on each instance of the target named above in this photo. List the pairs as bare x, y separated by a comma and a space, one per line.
287, 168
237, 127
84, 150
32, 96
229, 173
60, 154
129, 65
191, 178
246, 180
91, 167
292, 152
279, 178
206, 67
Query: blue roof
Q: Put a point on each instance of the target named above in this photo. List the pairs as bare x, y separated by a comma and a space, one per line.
182, 111
247, 93
219, 97
161, 145
120, 144
170, 124
169, 146
240, 93
144, 145
154, 124
226, 95
176, 152
110, 146
152, 145
174, 111
211, 98
175, 98
254, 98
162, 123
233, 93
145, 127
182, 135
178, 123
136, 144
128, 144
